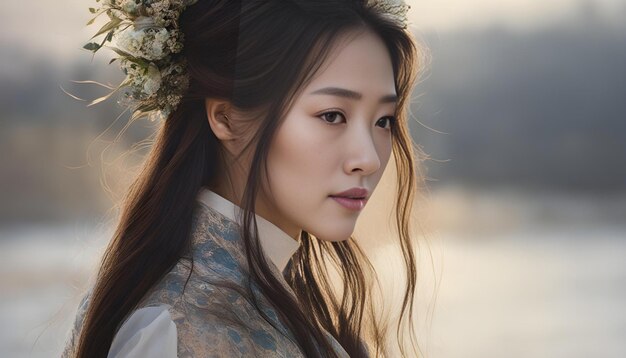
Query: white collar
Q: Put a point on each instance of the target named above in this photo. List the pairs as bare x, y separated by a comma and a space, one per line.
276, 244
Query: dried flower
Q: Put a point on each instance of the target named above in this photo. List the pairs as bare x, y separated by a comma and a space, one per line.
147, 39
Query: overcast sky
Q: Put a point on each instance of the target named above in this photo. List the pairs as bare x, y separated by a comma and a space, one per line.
444, 15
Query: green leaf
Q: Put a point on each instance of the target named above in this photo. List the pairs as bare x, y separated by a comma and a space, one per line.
119, 52
112, 15
109, 26
112, 60
105, 39
92, 10
92, 46
99, 12
142, 63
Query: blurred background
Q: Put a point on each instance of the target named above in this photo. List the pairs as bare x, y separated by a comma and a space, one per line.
522, 112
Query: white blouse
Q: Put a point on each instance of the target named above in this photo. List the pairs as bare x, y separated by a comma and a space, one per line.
151, 332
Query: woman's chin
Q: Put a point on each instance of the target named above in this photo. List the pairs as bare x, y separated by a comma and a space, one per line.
336, 235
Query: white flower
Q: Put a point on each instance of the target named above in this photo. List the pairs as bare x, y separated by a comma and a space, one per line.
130, 6
156, 50
158, 45
149, 43
162, 36
130, 41
133, 72
153, 80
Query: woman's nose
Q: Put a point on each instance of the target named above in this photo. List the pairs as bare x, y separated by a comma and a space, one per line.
361, 152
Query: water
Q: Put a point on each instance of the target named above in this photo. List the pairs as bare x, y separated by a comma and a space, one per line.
546, 292
551, 293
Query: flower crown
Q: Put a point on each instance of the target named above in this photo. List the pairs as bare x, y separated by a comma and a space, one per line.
397, 10
148, 39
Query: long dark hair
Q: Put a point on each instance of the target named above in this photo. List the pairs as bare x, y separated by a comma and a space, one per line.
258, 55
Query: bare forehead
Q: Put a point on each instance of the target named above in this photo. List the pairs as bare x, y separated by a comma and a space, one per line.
355, 49
358, 66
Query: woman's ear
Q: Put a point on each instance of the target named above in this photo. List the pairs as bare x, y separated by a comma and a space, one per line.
219, 120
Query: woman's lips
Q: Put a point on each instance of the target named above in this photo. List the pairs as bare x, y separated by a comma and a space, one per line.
351, 204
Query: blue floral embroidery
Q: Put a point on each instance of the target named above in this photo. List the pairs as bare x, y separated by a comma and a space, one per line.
264, 339
234, 336
222, 257
210, 306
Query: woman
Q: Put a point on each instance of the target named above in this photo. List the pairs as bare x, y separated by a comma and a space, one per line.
269, 149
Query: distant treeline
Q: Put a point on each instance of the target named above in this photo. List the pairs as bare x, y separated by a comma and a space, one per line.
544, 109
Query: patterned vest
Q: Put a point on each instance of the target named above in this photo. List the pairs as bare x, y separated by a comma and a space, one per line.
211, 317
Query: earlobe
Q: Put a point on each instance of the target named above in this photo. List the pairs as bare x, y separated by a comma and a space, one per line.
218, 119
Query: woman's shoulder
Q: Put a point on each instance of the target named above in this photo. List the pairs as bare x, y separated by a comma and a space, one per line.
183, 315
166, 331
196, 317
147, 332
72, 336
216, 316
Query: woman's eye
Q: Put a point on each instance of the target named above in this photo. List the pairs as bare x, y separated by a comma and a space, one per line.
330, 116
392, 121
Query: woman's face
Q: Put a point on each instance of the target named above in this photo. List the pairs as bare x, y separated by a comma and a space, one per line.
332, 141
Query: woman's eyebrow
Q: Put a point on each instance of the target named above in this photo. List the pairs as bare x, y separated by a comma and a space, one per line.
346, 93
